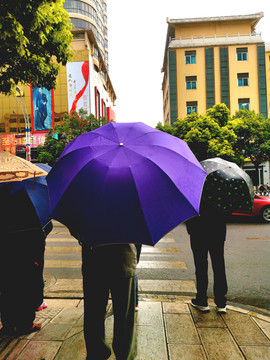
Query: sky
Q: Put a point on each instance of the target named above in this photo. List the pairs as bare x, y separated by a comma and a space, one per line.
137, 33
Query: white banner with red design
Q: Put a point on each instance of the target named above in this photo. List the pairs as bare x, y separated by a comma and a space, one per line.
78, 86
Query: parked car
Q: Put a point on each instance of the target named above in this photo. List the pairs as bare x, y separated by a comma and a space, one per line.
261, 208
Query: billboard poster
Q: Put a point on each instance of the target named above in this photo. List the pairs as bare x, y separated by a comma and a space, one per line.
41, 109
78, 86
9, 142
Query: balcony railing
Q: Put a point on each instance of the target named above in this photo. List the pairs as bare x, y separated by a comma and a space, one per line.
215, 36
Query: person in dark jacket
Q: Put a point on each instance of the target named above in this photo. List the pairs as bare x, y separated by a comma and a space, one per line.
22, 246
109, 269
21, 268
207, 236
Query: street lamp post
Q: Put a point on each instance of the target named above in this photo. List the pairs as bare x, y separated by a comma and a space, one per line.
21, 102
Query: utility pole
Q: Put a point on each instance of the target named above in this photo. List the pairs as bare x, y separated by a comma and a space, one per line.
21, 102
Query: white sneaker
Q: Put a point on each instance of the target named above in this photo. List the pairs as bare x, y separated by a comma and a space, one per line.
137, 308
221, 310
201, 307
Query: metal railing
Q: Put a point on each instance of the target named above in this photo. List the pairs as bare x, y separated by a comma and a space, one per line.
215, 36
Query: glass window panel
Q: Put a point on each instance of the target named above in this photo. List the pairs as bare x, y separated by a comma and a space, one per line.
187, 59
241, 56
193, 59
190, 109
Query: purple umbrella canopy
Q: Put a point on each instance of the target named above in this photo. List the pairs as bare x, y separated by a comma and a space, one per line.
125, 183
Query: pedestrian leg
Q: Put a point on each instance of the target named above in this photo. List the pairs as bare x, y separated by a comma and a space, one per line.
218, 265
96, 294
200, 255
123, 298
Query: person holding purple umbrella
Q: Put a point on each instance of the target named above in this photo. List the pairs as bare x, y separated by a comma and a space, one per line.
109, 269
116, 186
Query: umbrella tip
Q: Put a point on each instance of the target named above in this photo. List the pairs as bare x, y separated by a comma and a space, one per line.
121, 144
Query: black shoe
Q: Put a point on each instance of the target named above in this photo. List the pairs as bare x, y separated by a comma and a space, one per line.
200, 306
7, 331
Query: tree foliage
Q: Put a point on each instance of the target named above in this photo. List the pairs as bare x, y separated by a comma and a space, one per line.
73, 126
253, 136
35, 37
208, 135
216, 134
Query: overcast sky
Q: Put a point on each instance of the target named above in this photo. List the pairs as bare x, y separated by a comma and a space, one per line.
137, 33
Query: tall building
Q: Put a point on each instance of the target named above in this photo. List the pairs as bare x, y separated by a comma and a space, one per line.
215, 60
91, 14
84, 83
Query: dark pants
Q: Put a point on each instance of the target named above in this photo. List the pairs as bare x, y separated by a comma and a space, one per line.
201, 246
21, 282
97, 283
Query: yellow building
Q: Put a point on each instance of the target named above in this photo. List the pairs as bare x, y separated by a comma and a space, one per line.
215, 60
267, 69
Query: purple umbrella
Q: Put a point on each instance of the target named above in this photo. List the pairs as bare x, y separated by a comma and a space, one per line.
125, 183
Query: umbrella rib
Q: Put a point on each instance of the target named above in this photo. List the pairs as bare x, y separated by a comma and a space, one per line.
87, 163
166, 175
70, 148
170, 150
142, 135
162, 147
131, 172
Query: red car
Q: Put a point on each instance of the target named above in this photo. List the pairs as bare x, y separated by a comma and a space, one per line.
261, 208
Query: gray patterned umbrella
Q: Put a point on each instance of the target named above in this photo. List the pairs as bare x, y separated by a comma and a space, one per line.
227, 187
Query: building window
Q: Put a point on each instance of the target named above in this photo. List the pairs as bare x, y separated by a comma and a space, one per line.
190, 57
242, 54
97, 103
242, 79
191, 82
2, 127
191, 106
243, 104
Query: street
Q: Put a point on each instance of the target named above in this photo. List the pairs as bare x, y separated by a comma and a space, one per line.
168, 267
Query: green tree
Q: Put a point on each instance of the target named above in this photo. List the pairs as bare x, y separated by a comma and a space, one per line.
167, 128
220, 113
73, 126
79, 123
208, 135
35, 37
253, 137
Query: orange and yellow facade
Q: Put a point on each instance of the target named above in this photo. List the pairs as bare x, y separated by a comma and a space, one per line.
99, 96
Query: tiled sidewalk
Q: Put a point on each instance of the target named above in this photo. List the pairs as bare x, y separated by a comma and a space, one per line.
165, 330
